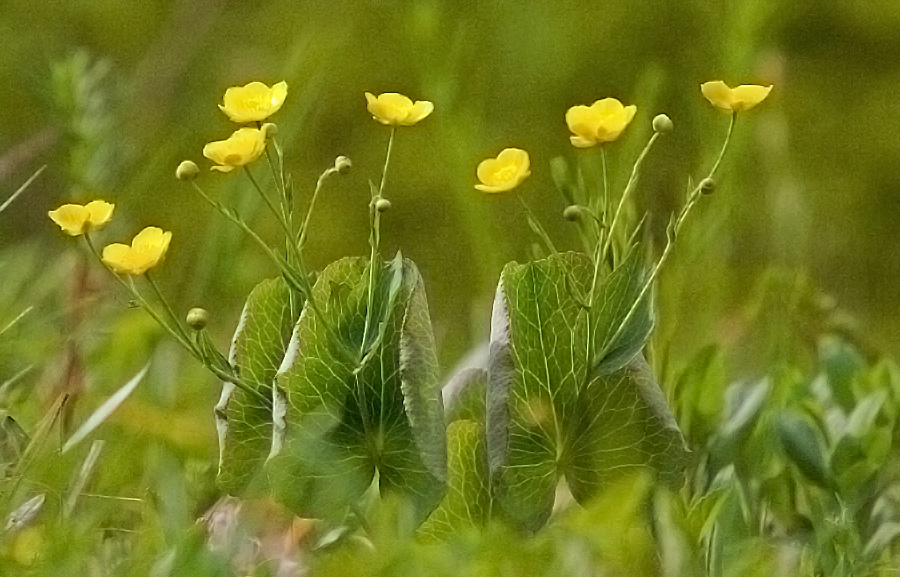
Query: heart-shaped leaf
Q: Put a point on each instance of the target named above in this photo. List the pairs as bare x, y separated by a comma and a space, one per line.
568, 392
375, 409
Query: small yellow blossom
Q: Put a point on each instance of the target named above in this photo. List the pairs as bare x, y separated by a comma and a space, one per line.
76, 219
146, 251
253, 102
242, 147
602, 121
737, 99
505, 172
397, 110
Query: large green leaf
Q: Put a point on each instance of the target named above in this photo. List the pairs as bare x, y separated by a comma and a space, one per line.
467, 501
569, 393
352, 409
243, 420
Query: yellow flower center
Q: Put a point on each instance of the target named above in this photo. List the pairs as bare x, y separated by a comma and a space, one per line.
506, 173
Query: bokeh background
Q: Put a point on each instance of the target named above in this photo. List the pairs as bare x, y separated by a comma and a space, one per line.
801, 236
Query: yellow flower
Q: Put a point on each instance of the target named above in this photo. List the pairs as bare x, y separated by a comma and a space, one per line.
602, 121
147, 248
76, 219
242, 147
253, 102
505, 172
737, 99
397, 110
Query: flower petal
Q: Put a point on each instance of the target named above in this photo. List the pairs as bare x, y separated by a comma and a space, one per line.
746, 96
418, 111
718, 93
71, 218
99, 214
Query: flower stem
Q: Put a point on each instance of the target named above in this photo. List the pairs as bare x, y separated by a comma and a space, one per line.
178, 335
304, 228
374, 242
536, 225
176, 322
672, 231
629, 188
233, 217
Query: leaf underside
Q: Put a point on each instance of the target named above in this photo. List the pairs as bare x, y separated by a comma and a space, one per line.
244, 420
467, 502
569, 394
345, 419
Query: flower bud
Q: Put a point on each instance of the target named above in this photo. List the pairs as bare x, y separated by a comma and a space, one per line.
382, 205
270, 129
197, 318
342, 164
572, 213
662, 123
707, 186
186, 171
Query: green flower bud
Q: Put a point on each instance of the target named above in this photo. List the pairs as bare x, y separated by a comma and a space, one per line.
707, 186
342, 164
572, 213
270, 129
187, 171
197, 318
662, 123
382, 205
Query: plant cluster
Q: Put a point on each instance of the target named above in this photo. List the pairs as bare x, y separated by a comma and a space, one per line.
332, 391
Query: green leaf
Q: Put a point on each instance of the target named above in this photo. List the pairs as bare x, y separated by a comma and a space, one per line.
243, 420
467, 501
105, 410
802, 446
345, 418
617, 345
552, 408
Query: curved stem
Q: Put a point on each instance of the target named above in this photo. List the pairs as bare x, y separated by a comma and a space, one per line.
304, 228
671, 235
278, 215
536, 225
374, 242
629, 188
173, 318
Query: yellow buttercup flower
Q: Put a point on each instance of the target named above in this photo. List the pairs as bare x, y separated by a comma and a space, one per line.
76, 219
737, 99
242, 147
505, 172
146, 251
253, 102
602, 121
397, 110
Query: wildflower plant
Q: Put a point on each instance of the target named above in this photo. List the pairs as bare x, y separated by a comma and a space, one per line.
331, 391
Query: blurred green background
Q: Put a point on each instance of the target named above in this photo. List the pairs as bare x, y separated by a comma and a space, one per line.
808, 198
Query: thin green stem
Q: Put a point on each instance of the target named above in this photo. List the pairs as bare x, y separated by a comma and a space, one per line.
132, 290
536, 225
278, 215
606, 198
287, 213
724, 146
304, 228
173, 318
387, 160
184, 341
629, 188
233, 217
672, 231
374, 241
